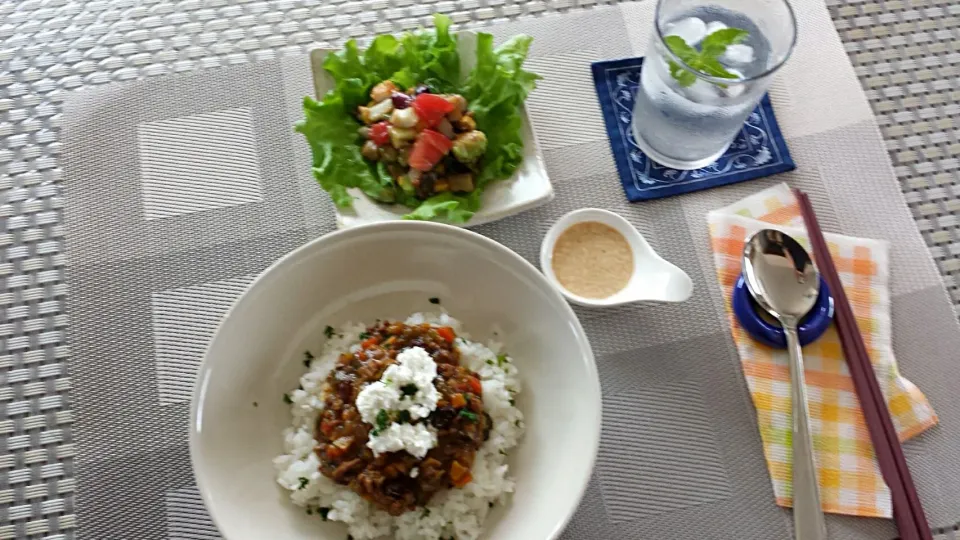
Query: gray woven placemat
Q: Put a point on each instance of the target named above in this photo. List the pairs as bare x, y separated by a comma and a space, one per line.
906, 54
154, 262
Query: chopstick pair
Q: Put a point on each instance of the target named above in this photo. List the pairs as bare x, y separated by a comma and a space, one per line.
907, 510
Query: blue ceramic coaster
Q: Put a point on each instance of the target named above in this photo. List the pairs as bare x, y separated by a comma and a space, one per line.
759, 149
811, 326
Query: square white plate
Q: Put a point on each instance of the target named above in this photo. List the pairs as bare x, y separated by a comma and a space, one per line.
528, 188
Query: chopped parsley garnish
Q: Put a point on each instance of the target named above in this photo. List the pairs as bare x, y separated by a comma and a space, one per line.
489, 362
434, 300
516, 423
503, 452
309, 511
468, 415
364, 335
303, 482
323, 511
307, 358
255, 404
404, 417
501, 358
489, 505
382, 420
426, 513
328, 331
513, 402
408, 390
287, 400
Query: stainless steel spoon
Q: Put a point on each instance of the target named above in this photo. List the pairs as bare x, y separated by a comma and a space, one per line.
781, 277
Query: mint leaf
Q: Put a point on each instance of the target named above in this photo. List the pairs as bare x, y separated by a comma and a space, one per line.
679, 47
688, 54
683, 77
713, 67
716, 43
705, 60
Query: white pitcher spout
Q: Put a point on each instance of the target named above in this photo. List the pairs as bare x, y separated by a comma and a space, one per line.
662, 281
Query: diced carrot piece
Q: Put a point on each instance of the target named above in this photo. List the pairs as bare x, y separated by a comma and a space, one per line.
475, 386
370, 342
458, 401
327, 427
447, 333
459, 475
334, 452
467, 478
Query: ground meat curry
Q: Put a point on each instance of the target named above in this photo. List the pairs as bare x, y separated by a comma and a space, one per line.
398, 481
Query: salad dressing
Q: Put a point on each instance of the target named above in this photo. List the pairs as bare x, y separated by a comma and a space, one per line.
592, 260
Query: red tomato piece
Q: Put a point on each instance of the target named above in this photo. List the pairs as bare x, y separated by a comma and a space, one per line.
429, 149
431, 108
475, 386
379, 133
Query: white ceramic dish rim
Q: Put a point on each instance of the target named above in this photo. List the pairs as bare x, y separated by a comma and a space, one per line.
634, 238
366, 211
203, 372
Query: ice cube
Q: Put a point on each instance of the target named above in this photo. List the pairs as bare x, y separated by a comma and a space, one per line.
734, 90
702, 92
738, 55
714, 26
691, 29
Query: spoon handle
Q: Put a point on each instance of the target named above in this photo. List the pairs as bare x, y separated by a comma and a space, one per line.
807, 516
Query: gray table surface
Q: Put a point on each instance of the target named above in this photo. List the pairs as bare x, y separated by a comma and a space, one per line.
907, 54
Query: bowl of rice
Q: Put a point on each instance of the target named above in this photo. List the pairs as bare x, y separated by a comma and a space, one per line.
403, 380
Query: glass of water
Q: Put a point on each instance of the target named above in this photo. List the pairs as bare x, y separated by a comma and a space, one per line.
708, 65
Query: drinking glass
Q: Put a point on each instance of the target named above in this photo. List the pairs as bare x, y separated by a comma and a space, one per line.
695, 94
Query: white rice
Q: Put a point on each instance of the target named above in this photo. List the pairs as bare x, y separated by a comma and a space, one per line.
457, 513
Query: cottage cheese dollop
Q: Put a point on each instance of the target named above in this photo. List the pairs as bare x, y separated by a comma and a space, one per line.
405, 389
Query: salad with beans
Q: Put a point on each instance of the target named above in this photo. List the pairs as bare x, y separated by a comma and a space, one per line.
429, 142
432, 137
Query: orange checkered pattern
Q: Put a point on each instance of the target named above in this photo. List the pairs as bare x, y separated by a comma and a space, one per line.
850, 479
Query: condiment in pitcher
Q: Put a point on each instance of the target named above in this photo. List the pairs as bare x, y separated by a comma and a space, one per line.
592, 260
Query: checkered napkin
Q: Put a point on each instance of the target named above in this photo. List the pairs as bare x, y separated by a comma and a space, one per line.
850, 479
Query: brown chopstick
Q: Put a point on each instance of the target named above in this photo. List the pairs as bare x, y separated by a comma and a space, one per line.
907, 510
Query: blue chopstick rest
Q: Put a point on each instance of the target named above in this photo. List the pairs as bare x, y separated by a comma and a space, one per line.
811, 327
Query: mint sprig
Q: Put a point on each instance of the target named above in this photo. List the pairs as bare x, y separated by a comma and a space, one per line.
706, 59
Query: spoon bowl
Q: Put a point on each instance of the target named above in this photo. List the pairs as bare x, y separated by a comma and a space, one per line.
654, 279
780, 274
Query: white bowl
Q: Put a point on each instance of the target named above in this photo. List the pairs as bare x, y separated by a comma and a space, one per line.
654, 279
529, 187
390, 270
